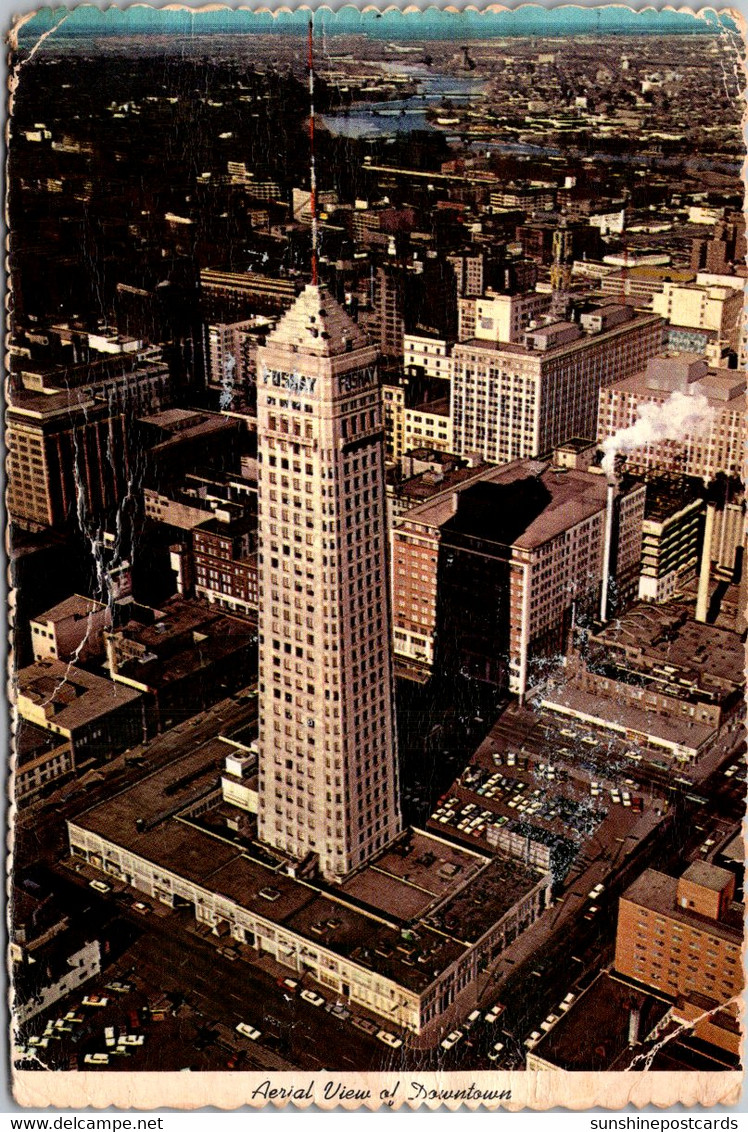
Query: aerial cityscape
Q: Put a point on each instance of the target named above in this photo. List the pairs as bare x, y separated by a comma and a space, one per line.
375, 451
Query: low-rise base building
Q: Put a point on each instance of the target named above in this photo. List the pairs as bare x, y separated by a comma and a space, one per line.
658, 677
97, 717
405, 937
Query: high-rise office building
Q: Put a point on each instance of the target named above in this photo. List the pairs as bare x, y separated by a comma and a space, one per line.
328, 769
513, 400
486, 575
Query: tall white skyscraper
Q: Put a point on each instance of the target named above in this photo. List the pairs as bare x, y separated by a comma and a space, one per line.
328, 754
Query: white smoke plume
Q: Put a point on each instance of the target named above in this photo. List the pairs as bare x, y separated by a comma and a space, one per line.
679, 417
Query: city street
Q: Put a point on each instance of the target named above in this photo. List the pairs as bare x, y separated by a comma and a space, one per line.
39, 827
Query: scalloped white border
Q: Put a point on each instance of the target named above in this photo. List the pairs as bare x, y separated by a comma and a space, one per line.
538, 1091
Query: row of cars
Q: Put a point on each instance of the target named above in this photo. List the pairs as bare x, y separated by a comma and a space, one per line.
336, 1009
140, 906
549, 1022
490, 1017
620, 797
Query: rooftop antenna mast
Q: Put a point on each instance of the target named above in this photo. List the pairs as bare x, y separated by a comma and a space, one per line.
312, 171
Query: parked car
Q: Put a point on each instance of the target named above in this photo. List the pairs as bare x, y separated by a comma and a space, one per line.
100, 886
96, 1059
95, 1000
338, 1010
313, 997
497, 1009
452, 1039
495, 1051
248, 1031
118, 987
364, 1024
389, 1039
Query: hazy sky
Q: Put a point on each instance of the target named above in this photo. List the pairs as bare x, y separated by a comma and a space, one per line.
88, 20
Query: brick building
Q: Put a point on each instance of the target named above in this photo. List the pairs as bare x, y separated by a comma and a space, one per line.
683, 937
225, 563
489, 573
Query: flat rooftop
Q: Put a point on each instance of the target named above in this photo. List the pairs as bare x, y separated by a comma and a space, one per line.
239, 525
31, 742
576, 444
659, 892
594, 1034
176, 418
427, 486
183, 637
470, 912
708, 875
723, 389
622, 717
44, 406
566, 497
70, 696
73, 606
381, 918
667, 636
438, 408
585, 341
667, 496
410, 876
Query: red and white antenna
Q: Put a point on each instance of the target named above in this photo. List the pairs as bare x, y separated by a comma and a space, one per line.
312, 171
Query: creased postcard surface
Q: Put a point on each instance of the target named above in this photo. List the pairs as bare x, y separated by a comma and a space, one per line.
375, 431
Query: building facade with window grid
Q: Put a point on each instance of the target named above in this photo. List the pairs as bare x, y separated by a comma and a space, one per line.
510, 401
328, 781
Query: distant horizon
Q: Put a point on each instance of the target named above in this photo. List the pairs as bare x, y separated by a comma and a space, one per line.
527, 21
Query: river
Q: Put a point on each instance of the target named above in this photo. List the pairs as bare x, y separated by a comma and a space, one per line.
402, 115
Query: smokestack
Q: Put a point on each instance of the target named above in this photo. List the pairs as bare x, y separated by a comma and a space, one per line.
611, 494
702, 598
743, 591
634, 1025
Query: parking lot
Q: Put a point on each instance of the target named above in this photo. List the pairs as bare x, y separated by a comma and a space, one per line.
565, 795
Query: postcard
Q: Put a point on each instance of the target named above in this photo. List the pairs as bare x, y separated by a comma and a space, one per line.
375, 433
